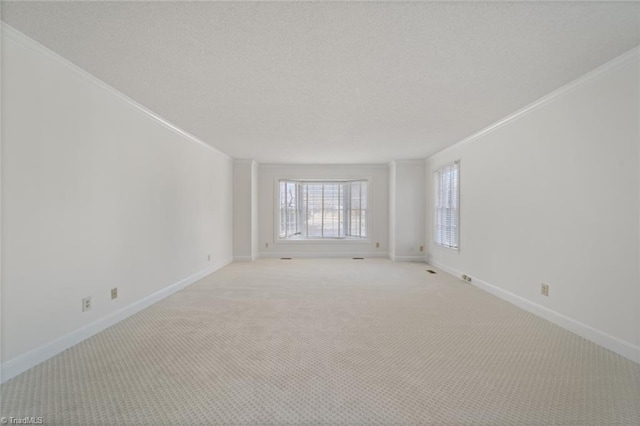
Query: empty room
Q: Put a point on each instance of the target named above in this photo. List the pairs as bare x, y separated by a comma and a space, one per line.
320, 213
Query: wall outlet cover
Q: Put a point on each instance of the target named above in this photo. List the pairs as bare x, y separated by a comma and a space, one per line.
544, 289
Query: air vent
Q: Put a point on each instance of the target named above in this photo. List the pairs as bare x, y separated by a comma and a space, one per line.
358, 258
431, 271
285, 258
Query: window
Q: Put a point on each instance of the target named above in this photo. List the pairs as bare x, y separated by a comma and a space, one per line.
447, 203
316, 210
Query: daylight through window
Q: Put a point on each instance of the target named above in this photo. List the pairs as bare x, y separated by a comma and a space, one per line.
447, 203
316, 210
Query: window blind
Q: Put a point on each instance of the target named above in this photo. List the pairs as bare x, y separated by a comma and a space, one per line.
315, 210
447, 205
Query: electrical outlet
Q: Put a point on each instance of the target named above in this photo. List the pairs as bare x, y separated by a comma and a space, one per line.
544, 289
421, 248
377, 245
266, 245
86, 304
466, 278
114, 293
209, 258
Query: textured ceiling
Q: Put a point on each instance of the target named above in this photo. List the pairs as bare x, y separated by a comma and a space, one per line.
333, 82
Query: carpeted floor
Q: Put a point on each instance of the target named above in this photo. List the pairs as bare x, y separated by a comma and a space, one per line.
331, 341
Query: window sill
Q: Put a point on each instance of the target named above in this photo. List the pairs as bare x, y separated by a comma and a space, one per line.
324, 241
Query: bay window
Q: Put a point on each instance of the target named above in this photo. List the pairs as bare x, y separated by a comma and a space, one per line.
323, 209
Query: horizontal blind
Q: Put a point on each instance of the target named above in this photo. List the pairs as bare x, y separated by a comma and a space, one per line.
447, 205
289, 207
323, 209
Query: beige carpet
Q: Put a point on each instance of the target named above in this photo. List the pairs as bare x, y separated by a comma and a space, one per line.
328, 342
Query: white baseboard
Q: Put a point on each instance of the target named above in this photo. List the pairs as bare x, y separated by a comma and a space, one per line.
444, 267
625, 349
320, 254
22, 363
408, 259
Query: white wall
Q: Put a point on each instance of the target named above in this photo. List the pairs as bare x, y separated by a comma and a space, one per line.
245, 210
407, 205
551, 196
392, 210
96, 193
378, 210
255, 237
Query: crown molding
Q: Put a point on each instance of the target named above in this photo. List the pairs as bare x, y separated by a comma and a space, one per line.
23, 40
562, 91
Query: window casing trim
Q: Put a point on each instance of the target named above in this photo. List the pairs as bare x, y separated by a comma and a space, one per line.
435, 207
326, 240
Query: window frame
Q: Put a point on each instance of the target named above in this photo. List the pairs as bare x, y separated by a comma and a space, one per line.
327, 240
439, 170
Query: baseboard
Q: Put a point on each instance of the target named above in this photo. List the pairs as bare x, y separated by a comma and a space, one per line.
307, 255
625, 349
22, 363
444, 267
408, 259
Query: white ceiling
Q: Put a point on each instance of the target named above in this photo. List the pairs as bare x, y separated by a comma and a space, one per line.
333, 82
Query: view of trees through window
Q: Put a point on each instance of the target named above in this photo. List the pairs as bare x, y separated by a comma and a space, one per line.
323, 209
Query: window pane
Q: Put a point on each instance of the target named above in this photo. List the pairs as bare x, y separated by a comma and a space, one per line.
323, 209
283, 212
314, 206
446, 220
332, 211
291, 209
354, 210
363, 209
